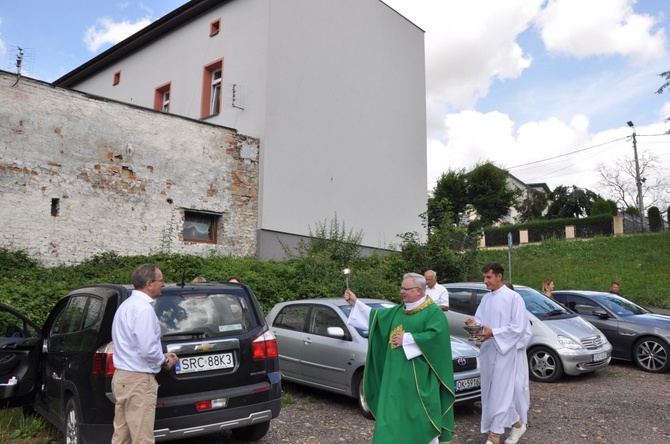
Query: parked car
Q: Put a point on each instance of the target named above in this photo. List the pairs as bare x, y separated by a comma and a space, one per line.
562, 342
636, 334
227, 376
317, 348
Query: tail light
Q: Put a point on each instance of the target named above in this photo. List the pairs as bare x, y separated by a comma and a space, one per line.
264, 346
103, 360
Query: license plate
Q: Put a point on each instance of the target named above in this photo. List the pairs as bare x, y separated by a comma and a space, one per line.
467, 384
599, 357
204, 363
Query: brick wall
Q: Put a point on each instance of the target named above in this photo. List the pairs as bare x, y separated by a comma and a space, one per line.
81, 175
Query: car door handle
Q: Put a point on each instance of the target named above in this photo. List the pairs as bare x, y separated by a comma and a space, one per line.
55, 376
307, 340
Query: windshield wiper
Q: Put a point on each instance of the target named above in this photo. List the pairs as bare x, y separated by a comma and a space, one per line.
555, 312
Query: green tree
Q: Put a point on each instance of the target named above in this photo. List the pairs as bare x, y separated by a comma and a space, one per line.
489, 194
532, 206
571, 202
449, 198
602, 206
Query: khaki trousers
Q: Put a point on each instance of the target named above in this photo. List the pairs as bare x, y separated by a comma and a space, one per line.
135, 408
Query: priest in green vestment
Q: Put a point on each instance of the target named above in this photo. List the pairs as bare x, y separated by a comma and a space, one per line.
409, 378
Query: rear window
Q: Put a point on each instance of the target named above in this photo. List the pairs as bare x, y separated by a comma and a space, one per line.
205, 313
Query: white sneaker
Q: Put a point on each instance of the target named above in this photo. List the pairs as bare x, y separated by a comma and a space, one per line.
515, 434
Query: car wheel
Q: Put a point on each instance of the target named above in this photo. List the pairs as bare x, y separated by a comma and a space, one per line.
252, 432
652, 355
360, 395
71, 433
544, 365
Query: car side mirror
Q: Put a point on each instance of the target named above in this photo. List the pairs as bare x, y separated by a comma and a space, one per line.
335, 332
602, 314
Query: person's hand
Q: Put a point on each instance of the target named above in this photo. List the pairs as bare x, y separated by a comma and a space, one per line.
485, 334
350, 297
469, 321
172, 359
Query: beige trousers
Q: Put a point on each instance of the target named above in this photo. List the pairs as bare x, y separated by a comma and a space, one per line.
135, 408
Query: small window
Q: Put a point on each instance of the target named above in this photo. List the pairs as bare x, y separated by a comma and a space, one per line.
162, 98
117, 78
200, 227
322, 318
214, 27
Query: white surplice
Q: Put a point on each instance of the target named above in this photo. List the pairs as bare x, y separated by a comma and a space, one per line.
504, 365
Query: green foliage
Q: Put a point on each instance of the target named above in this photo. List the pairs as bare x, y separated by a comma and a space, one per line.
483, 189
489, 194
639, 262
633, 211
17, 427
602, 206
532, 206
450, 251
571, 202
332, 240
655, 219
449, 198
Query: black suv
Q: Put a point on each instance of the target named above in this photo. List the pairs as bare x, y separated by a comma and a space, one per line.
227, 376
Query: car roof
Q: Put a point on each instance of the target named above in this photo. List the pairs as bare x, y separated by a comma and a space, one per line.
477, 285
586, 292
336, 301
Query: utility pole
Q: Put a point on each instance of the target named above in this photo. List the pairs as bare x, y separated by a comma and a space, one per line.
638, 179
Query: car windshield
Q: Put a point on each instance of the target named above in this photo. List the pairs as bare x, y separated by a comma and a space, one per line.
204, 314
621, 306
540, 305
346, 308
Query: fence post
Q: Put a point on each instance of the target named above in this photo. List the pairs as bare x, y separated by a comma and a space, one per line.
569, 231
523, 236
618, 224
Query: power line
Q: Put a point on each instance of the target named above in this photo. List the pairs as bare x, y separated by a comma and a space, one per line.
567, 154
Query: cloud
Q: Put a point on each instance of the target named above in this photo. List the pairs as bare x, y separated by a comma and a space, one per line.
600, 27
108, 32
3, 48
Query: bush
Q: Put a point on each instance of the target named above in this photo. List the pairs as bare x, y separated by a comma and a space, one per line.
539, 231
655, 219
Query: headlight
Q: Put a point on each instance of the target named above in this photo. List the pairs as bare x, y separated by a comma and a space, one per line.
568, 343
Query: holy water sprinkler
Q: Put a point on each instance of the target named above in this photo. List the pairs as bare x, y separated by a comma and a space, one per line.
347, 273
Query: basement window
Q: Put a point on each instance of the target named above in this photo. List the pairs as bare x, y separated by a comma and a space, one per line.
200, 227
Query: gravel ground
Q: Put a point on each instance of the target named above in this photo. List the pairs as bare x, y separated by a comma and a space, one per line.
616, 405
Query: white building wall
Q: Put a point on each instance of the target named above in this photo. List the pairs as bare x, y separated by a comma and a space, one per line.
335, 89
123, 177
346, 126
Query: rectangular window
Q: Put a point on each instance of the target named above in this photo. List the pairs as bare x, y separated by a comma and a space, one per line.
200, 227
212, 80
214, 27
162, 98
117, 78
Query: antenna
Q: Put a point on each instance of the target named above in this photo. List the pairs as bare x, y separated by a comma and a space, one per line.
19, 60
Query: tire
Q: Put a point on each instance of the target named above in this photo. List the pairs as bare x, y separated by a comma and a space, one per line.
544, 365
252, 432
652, 355
357, 387
71, 434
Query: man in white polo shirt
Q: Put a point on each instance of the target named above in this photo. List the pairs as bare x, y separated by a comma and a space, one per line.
437, 292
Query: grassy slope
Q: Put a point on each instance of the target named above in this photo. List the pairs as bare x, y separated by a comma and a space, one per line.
640, 263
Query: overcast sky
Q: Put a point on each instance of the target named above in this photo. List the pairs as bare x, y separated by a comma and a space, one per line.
543, 88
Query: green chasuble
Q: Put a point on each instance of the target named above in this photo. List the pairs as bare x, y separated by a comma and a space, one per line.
412, 400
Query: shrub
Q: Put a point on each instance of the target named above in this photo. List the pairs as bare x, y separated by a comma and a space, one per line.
655, 219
